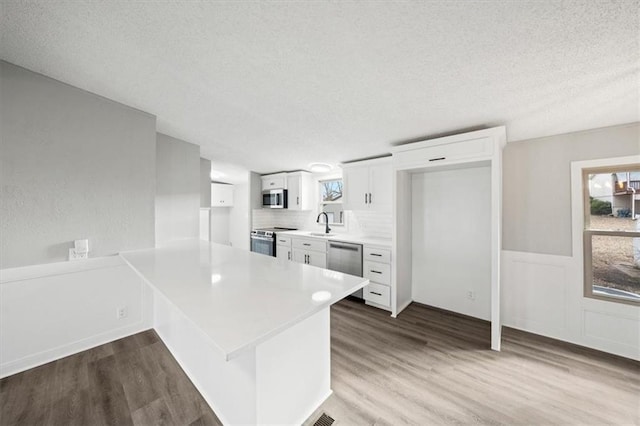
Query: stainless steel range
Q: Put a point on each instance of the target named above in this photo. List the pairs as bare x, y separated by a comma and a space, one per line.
263, 240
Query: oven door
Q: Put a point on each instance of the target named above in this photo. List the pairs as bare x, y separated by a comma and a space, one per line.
263, 245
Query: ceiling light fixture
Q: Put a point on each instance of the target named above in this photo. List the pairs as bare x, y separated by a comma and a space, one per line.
320, 167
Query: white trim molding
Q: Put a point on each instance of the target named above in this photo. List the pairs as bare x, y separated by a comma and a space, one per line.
55, 310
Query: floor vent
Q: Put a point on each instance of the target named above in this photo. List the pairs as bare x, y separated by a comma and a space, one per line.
324, 420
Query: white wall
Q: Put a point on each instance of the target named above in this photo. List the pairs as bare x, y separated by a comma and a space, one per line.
451, 240
240, 216
220, 225
542, 272
50, 311
177, 202
543, 294
73, 165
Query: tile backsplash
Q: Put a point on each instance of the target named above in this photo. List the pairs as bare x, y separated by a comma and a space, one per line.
357, 222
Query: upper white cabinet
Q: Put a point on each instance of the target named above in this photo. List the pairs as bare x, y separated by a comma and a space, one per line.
221, 195
367, 185
274, 181
449, 150
300, 191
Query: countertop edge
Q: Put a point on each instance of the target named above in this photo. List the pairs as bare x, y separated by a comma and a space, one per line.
372, 241
238, 351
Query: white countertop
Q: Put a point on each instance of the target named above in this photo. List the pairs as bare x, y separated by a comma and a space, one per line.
236, 297
347, 238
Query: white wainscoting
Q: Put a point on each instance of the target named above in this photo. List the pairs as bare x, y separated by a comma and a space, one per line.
543, 294
51, 311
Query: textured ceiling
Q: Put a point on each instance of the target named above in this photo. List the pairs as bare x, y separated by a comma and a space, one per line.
277, 85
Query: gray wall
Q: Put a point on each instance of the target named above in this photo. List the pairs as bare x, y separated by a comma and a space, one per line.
205, 182
72, 165
177, 189
537, 184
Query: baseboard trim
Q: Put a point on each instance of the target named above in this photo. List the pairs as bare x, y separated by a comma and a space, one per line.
55, 354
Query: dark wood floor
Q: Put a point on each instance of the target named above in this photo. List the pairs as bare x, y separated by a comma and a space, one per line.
425, 367
132, 381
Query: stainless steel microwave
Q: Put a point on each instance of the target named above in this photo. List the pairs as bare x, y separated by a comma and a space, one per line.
274, 199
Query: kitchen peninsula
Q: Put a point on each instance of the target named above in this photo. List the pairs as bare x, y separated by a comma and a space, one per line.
250, 331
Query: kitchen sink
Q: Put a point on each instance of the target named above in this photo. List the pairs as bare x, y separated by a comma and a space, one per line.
321, 234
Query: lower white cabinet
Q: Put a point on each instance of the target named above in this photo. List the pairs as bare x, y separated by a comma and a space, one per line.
283, 248
378, 294
308, 257
377, 268
309, 251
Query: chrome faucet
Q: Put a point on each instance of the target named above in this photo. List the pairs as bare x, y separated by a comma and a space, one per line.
326, 222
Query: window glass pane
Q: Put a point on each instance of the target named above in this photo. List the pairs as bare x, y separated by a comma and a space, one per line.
615, 266
614, 195
331, 190
331, 200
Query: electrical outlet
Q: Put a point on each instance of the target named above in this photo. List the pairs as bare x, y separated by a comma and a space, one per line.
471, 295
121, 312
73, 255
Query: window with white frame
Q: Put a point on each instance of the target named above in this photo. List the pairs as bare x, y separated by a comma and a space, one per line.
331, 200
611, 235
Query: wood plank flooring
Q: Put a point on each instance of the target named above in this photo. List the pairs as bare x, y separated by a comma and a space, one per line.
425, 367
432, 367
131, 381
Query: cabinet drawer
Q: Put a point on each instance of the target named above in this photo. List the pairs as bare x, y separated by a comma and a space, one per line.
377, 293
377, 272
305, 244
376, 255
445, 153
283, 241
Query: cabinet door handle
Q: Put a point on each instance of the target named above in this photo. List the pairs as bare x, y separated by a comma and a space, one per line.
288, 255
376, 272
376, 254
297, 201
377, 294
437, 159
273, 183
306, 244
365, 198
369, 198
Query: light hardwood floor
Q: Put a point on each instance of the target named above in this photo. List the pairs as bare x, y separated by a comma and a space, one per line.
425, 367
432, 367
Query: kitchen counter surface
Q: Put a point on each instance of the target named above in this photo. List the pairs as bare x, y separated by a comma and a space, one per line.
237, 298
357, 239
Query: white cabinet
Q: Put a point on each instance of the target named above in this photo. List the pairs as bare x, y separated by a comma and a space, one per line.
308, 257
368, 185
376, 266
221, 195
309, 251
283, 248
300, 191
274, 181
449, 150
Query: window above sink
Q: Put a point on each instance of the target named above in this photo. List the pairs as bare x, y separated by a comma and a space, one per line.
331, 200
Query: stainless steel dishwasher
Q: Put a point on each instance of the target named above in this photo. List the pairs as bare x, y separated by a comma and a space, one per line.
347, 258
